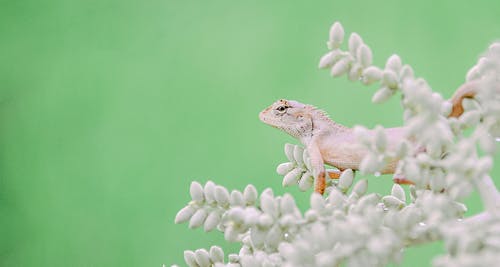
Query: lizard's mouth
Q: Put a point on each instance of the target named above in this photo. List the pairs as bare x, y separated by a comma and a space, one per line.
269, 120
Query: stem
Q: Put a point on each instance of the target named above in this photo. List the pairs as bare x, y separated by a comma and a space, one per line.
489, 193
478, 218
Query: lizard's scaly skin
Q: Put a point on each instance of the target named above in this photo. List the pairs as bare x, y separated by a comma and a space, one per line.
331, 143
326, 141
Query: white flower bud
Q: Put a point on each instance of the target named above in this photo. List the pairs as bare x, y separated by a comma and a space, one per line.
398, 192
375, 245
236, 198
371, 74
326, 61
362, 135
317, 202
473, 74
336, 198
190, 258
298, 154
394, 63
390, 79
250, 194
413, 193
211, 221
354, 42
406, 73
244, 251
198, 219
231, 235
360, 187
355, 72
196, 191
364, 55
424, 159
305, 182
216, 254
393, 202
311, 215
269, 205
233, 258
483, 63
402, 149
494, 48
369, 164
336, 35
237, 215
287, 204
382, 95
287, 220
252, 215
341, 67
285, 168
184, 214
345, 180
274, 236
329, 59
209, 191
249, 261
437, 182
292, 177
461, 208
202, 257
470, 104
411, 171
221, 195
446, 107
268, 191
470, 118
368, 200
487, 144
265, 220
459, 191
289, 152
325, 259
286, 250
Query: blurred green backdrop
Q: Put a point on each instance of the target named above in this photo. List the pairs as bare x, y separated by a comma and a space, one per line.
109, 109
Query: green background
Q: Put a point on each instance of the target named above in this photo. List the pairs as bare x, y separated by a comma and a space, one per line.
109, 109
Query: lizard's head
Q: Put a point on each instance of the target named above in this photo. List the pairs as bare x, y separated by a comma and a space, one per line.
290, 116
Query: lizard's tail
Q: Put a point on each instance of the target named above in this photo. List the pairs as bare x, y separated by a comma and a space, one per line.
467, 90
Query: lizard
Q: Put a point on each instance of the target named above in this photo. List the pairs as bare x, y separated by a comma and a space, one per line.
331, 143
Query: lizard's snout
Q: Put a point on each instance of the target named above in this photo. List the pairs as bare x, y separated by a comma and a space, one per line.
262, 116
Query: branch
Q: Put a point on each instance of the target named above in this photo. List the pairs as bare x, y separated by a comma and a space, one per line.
489, 193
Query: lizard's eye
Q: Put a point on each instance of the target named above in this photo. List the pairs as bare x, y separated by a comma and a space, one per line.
281, 108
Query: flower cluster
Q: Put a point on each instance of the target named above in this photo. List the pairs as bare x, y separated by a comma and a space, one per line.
475, 242
445, 157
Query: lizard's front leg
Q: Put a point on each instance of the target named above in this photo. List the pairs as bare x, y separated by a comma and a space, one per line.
318, 167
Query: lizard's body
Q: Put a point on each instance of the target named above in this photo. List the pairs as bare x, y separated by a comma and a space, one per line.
331, 143
326, 141
343, 151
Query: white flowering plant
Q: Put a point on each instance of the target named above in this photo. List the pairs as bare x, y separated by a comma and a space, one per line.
349, 227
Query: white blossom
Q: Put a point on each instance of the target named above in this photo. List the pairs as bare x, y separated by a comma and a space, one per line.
351, 228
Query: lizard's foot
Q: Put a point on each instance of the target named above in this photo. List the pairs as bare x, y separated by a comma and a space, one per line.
399, 178
402, 181
320, 183
333, 174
